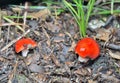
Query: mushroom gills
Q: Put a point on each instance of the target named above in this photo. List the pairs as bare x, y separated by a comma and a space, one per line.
82, 59
25, 52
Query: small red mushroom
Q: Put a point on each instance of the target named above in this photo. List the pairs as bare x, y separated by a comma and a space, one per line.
87, 48
23, 45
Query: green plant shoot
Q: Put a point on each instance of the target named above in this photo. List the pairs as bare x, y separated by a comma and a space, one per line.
81, 16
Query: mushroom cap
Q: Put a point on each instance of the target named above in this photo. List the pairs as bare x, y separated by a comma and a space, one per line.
87, 48
24, 43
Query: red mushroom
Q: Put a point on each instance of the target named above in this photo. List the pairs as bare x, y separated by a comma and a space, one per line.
23, 45
87, 48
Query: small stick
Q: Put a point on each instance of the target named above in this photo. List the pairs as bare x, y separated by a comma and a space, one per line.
10, 21
12, 42
10, 24
13, 72
25, 14
109, 21
111, 46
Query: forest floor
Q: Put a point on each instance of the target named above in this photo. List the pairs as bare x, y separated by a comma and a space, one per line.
54, 59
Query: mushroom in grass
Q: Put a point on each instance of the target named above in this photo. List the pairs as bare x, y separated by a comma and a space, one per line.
87, 48
23, 45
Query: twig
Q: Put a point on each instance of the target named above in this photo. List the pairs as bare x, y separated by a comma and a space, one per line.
25, 14
48, 37
13, 72
10, 24
109, 21
7, 19
55, 60
114, 55
12, 42
111, 46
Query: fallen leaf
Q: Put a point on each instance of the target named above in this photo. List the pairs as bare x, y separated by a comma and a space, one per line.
53, 27
40, 14
41, 77
2, 59
55, 60
103, 34
69, 63
32, 59
92, 81
82, 71
115, 55
37, 33
72, 47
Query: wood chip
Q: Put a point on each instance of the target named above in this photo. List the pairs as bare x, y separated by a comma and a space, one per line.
115, 55
55, 60
82, 71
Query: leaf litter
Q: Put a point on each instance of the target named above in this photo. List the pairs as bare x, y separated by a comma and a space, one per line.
54, 60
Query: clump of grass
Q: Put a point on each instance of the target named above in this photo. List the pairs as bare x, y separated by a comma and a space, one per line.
81, 16
102, 11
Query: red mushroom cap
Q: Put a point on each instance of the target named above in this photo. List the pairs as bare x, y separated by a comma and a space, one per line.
23, 43
87, 48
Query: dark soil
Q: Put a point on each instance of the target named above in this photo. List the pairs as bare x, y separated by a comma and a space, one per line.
54, 59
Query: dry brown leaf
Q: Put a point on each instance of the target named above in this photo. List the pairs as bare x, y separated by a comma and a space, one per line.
48, 42
82, 71
48, 37
69, 63
2, 12
32, 59
37, 33
92, 81
14, 24
46, 57
16, 9
53, 27
61, 35
2, 59
55, 60
28, 60
115, 55
103, 34
41, 77
72, 46
40, 14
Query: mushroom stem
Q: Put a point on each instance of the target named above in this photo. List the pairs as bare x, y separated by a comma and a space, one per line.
82, 59
25, 52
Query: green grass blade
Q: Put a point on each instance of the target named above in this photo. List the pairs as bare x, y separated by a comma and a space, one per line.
90, 8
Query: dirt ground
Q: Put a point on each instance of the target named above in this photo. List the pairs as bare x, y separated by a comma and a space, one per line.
54, 59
